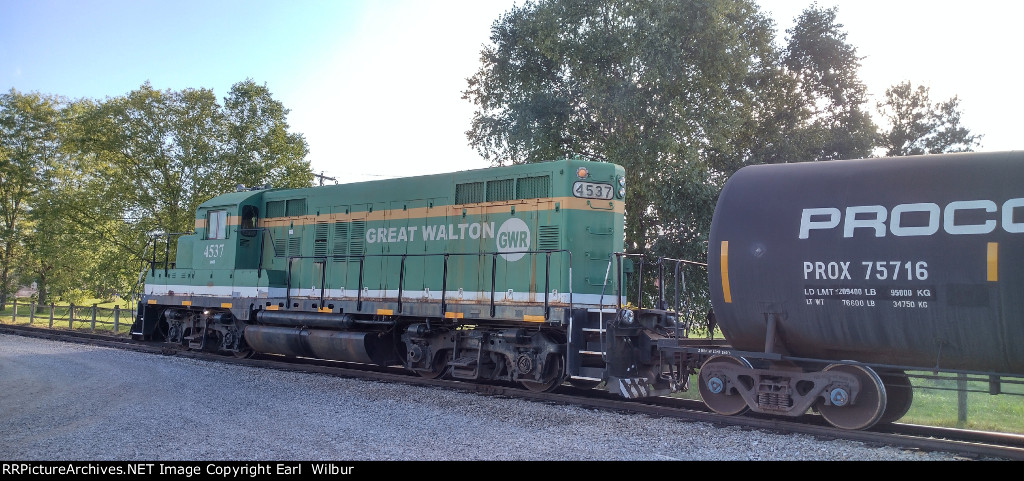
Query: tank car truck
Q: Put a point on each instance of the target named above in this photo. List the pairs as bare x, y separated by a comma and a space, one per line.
502, 273
831, 280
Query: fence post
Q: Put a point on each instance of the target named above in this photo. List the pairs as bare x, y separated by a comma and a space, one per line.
961, 399
31, 312
117, 315
71, 316
14, 312
51, 315
92, 325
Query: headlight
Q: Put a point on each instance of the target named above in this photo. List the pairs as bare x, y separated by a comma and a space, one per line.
622, 181
581, 172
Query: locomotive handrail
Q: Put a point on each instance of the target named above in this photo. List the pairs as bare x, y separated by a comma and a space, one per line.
444, 279
660, 262
167, 249
444, 284
678, 279
263, 237
288, 279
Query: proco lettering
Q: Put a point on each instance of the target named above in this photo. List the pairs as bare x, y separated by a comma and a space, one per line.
877, 221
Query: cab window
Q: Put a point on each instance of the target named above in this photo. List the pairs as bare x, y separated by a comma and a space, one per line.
217, 224
250, 220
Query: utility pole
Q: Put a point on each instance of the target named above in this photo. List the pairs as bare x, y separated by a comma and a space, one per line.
321, 176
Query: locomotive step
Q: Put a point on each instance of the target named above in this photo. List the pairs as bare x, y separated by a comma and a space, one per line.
465, 361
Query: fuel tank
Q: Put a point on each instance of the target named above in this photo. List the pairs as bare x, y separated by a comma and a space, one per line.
912, 261
361, 347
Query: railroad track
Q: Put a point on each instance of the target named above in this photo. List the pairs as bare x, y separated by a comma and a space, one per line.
967, 443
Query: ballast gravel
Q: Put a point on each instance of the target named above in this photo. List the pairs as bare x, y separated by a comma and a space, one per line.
63, 401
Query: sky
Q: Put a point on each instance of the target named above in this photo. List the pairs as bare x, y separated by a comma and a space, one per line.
375, 86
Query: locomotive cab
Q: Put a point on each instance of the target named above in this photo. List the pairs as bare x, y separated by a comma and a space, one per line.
225, 247
226, 234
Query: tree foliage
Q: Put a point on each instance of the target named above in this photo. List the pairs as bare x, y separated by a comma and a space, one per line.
28, 142
825, 68
918, 126
118, 170
258, 149
682, 93
658, 86
166, 152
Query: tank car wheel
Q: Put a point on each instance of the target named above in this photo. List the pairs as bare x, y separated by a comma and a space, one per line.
713, 390
557, 371
868, 408
899, 395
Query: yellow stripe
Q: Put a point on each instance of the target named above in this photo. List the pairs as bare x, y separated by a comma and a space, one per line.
226, 305
453, 315
440, 212
151, 301
232, 220
533, 318
384, 312
993, 261
186, 303
324, 309
725, 273
272, 308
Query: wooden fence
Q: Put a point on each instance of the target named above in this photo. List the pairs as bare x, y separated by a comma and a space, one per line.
116, 320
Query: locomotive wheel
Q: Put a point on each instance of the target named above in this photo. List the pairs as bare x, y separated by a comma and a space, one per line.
547, 386
899, 394
163, 328
868, 408
244, 351
584, 383
713, 391
438, 367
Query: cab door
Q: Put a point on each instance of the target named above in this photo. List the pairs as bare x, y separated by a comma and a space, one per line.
250, 238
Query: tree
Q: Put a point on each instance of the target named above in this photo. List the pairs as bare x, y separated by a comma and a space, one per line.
681, 93
73, 244
162, 153
825, 68
653, 85
119, 170
157, 152
28, 140
917, 126
258, 148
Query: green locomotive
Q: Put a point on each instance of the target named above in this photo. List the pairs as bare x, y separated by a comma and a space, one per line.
504, 273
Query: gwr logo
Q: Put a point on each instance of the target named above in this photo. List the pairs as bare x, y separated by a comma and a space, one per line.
513, 239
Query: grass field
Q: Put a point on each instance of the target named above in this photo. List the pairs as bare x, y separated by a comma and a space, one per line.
937, 402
